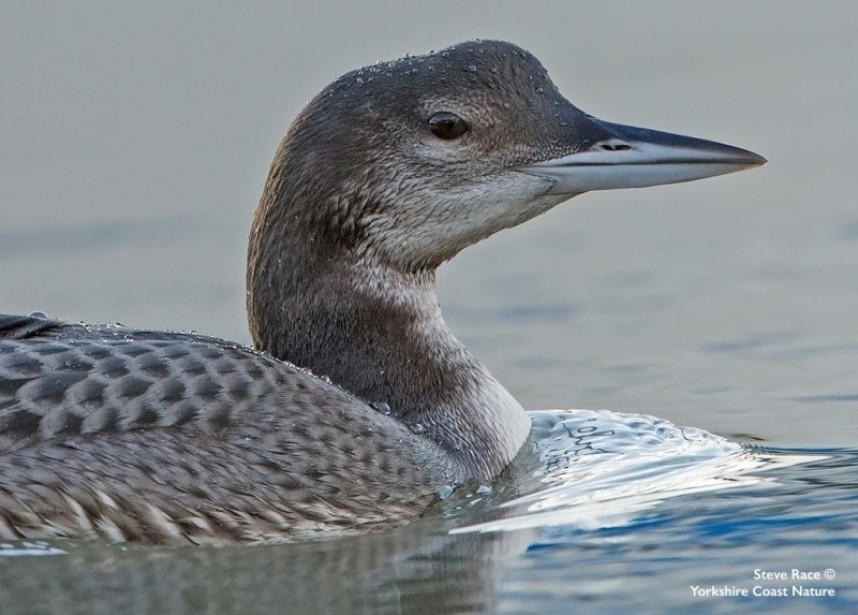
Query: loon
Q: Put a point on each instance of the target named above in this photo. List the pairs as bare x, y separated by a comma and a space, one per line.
356, 404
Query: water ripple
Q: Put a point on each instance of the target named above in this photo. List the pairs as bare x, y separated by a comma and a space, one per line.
600, 469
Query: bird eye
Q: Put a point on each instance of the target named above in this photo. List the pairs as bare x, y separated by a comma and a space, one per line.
447, 125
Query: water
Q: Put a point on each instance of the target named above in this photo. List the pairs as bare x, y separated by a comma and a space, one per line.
135, 144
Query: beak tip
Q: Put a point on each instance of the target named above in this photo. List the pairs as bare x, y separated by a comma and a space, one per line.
755, 160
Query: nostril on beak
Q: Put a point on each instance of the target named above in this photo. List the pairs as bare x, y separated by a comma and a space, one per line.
612, 146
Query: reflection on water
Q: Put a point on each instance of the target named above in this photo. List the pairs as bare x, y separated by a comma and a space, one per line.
28, 548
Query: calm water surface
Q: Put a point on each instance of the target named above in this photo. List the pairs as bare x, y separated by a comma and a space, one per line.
135, 142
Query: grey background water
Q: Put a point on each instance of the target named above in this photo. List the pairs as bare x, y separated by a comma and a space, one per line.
134, 142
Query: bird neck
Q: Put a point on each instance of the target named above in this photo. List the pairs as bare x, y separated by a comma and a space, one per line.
378, 333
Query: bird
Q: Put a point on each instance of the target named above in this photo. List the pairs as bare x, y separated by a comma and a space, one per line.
356, 405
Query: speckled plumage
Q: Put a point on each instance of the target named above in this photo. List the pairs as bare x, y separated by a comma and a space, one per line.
118, 434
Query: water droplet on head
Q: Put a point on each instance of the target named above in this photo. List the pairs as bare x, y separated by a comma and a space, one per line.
381, 406
472, 68
417, 428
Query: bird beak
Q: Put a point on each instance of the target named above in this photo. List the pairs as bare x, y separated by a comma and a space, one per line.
630, 157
